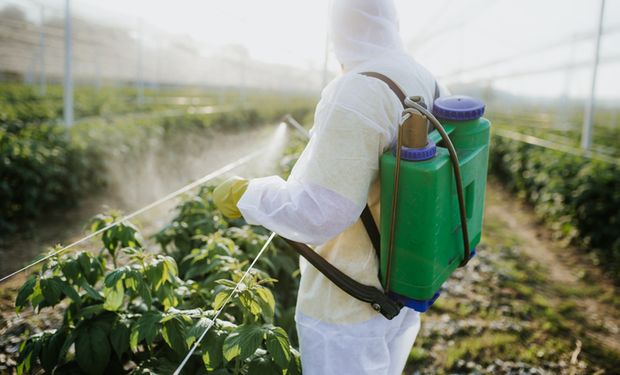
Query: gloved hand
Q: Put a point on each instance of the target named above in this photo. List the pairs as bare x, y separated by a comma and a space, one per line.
227, 195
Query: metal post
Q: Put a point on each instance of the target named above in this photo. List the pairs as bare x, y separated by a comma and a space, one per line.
586, 132
562, 118
140, 80
42, 80
97, 73
68, 76
242, 88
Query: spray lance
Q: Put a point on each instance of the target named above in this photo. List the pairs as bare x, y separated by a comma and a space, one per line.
432, 201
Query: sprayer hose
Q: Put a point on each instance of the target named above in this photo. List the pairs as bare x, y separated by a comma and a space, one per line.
457, 174
414, 107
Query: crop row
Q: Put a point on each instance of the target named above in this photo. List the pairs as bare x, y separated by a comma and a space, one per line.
578, 198
44, 165
129, 310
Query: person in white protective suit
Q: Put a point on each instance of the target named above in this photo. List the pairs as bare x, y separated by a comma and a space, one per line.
337, 174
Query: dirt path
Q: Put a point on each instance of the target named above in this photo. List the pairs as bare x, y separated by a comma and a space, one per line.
564, 265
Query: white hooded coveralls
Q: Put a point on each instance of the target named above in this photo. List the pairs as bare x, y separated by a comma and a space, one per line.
336, 175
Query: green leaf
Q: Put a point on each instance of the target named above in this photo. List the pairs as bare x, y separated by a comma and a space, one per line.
197, 329
242, 342
147, 328
144, 291
51, 351
263, 366
219, 300
174, 335
92, 349
26, 358
167, 296
24, 293
91, 292
267, 304
267, 297
114, 277
114, 296
91, 267
52, 290
133, 340
67, 344
278, 345
212, 355
70, 292
247, 300
88, 311
119, 338
71, 270
294, 367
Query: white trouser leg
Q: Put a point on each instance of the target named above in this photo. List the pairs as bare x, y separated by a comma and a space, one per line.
402, 342
375, 347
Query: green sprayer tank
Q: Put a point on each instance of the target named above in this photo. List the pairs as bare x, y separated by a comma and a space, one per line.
428, 240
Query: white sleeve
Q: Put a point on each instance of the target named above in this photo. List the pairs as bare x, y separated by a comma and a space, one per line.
328, 187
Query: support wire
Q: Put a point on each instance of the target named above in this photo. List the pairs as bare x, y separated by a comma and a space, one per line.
219, 311
184, 189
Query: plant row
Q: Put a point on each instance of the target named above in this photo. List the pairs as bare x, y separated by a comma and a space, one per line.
577, 197
135, 308
44, 165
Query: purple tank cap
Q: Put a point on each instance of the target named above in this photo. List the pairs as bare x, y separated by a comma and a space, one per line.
458, 108
418, 154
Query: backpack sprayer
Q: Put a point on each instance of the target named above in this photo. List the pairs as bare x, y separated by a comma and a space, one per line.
432, 201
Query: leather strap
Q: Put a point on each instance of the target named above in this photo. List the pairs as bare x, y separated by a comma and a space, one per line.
391, 84
367, 219
395, 88
365, 293
371, 229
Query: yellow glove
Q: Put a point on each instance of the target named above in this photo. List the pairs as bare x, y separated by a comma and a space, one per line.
227, 195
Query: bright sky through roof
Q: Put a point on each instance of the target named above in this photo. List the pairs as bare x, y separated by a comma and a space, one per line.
447, 36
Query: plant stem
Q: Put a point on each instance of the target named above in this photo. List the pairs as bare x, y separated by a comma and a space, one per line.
237, 367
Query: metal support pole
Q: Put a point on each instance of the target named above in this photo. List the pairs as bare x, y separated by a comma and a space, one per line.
68, 76
562, 118
140, 80
42, 78
586, 132
242, 87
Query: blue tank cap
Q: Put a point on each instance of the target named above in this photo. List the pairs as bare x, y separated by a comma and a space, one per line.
417, 154
458, 108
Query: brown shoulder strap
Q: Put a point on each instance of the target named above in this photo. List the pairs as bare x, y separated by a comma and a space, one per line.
367, 219
391, 84
395, 88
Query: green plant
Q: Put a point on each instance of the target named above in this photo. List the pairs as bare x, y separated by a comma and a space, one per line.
131, 310
44, 165
40, 168
578, 198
